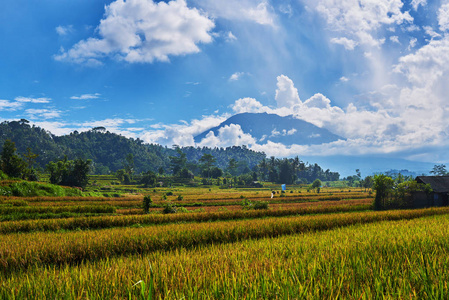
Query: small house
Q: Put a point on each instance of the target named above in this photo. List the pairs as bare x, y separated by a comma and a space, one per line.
439, 195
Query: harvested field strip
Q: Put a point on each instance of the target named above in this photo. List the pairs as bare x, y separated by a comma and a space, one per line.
154, 219
60, 209
137, 202
385, 260
272, 204
21, 251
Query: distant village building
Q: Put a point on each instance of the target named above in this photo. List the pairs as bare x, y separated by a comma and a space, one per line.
439, 195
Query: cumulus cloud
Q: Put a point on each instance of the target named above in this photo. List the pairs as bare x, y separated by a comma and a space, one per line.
360, 20
249, 105
428, 64
181, 134
86, 96
227, 135
142, 31
6, 105
286, 93
347, 43
32, 100
344, 79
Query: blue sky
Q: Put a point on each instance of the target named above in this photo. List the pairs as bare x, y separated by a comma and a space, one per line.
372, 71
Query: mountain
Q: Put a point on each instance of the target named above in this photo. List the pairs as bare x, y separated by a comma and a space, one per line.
286, 130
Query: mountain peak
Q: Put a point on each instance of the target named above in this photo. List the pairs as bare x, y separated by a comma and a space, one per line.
266, 127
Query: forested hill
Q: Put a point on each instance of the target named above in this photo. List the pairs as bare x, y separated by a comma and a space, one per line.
109, 150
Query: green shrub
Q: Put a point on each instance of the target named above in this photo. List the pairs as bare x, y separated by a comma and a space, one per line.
246, 204
180, 197
260, 205
182, 210
169, 209
170, 193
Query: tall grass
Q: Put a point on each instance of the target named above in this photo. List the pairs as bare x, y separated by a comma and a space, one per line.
405, 259
152, 219
21, 251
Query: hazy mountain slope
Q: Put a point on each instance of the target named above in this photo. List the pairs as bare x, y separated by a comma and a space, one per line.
286, 130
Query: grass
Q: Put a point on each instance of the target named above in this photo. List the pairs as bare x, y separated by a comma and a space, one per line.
384, 260
20, 251
304, 245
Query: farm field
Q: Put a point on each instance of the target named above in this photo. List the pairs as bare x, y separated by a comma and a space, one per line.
301, 244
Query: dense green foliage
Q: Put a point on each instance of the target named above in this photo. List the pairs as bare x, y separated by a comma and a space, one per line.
69, 172
111, 152
291, 170
396, 194
32, 189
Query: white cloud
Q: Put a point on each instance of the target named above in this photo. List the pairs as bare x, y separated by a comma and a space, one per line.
360, 20
181, 134
412, 43
64, 30
344, 79
286, 93
412, 27
86, 96
240, 10
227, 135
431, 32
43, 113
32, 100
428, 64
416, 3
443, 17
142, 31
347, 43
249, 105
236, 76
231, 37
6, 105
56, 128
395, 39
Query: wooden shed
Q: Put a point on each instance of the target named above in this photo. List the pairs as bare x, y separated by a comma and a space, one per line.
439, 195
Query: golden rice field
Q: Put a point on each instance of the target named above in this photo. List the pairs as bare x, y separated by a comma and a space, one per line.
329, 245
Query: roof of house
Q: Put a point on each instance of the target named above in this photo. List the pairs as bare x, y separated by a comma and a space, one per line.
439, 184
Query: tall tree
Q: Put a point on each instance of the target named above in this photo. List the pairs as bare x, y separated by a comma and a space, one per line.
70, 172
207, 161
177, 163
232, 166
439, 170
129, 164
11, 163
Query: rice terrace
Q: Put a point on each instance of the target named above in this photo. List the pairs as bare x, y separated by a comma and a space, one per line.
198, 241
210, 149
